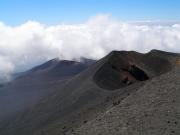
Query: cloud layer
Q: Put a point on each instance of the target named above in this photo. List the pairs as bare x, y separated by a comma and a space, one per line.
32, 43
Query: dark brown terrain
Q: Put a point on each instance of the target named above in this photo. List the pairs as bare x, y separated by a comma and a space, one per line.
124, 93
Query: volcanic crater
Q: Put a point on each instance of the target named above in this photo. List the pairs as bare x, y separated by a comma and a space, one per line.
124, 68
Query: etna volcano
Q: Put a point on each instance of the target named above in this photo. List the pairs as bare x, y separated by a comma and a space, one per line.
124, 93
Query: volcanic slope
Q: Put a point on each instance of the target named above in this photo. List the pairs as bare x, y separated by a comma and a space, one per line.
123, 93
154, 109
32, 85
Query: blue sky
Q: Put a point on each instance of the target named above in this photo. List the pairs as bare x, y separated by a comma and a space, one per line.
15, 12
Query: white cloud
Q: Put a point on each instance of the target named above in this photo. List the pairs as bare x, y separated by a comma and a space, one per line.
29, 44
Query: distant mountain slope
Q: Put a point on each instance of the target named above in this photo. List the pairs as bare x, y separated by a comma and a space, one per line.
82, 105
57, 69
30, 86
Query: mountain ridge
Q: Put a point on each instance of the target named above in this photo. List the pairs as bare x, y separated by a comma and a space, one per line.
77, 104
